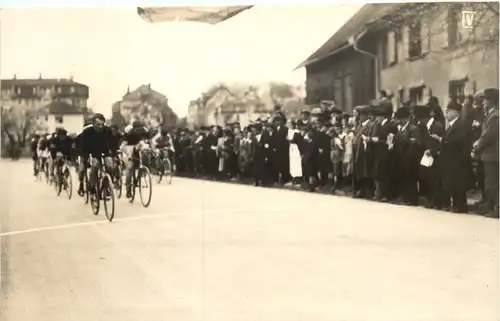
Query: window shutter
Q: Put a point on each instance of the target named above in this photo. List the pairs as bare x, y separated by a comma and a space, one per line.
406, 42
391, 47
425, 35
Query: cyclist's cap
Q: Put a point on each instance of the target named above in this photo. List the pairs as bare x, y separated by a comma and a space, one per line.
99, 117
114, 127
137, 123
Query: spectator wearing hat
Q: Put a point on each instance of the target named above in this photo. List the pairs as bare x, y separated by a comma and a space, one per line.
454, 161
362, 167
486, 147
309, 150
407, 153
430, 184
262, 152
380, 136
324, 162
281, 152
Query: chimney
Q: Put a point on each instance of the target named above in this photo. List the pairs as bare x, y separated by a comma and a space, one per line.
40, 76
15, 77
128, 89
149, 86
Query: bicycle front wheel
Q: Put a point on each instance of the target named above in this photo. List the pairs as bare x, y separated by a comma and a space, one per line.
145, 186
159, 171
68, 183
108, 197
168, 170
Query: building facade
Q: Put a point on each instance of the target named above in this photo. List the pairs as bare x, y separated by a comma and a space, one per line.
61, 114
51, 102
39, 92
411, 50
429, 50
239, 104
145, 104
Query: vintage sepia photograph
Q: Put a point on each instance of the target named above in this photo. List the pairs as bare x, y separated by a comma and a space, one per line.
264, 162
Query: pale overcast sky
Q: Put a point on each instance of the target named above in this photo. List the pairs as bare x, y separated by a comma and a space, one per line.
108, 49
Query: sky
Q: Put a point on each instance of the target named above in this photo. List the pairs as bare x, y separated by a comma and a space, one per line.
110, 49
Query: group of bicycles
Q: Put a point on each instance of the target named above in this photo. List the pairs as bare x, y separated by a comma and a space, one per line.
110, 183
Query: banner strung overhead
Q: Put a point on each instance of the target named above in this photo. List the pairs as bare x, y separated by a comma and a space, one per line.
210, 15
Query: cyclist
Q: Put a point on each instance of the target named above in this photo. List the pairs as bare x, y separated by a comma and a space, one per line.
93, 141
43, 150
60, 149
162, 144
34, 154
134, 141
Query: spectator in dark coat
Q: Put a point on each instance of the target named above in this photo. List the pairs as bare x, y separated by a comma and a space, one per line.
487, 149
455, 158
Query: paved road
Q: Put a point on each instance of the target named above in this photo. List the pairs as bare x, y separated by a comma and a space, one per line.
214, 251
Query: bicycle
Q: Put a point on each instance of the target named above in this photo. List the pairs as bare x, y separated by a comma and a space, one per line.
164, 166
103, 191
141, 171
63, 179
117, 176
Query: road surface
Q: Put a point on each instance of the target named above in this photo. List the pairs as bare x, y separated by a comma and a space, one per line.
215, 251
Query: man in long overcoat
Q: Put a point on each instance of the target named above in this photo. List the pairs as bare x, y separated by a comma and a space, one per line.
487, 149
455, 158
362, 168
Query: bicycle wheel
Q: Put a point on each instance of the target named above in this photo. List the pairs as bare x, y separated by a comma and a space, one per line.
108, 197
118, 181
145, 186
168, 170
159, 171
68, 183
94, 199
46, 172
86, 194
133, 183
58, 184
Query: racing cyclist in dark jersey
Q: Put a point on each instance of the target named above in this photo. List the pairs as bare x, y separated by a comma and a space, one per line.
93, 140
59, 149
134, 140
34, 153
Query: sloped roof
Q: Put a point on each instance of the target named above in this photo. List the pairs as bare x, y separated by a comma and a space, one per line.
353, 27
38, 82
62, 108
208, 14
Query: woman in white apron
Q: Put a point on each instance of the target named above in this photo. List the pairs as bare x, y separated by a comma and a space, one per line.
295, 158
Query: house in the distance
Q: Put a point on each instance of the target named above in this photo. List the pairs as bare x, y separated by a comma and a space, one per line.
61, 114
145, 104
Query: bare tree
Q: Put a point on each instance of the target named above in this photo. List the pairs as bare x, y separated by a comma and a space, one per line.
17, 126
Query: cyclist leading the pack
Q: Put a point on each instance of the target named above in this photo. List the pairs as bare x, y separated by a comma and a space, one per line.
134, 140
93, 141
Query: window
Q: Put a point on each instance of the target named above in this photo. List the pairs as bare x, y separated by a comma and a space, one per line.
46, 118
417, 95
34, 90
59, 90
398, 51
392, 48
456, 89
415, 45
454, 18
401, 96
59, 119
18, 90
73, 90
